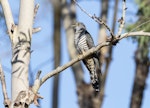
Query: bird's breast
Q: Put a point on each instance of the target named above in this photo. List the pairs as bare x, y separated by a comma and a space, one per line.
82, 44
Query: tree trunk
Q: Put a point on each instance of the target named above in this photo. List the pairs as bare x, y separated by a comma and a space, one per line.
21, 42
69, 17
57, 49
142, 69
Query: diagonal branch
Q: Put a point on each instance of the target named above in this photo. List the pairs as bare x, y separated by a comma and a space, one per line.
3, 82
91, 51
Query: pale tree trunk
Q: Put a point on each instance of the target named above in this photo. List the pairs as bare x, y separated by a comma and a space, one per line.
20, 37
21, 42
57, 49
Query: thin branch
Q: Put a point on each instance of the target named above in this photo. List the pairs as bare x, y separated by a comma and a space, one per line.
7, 13
91, 51
35, 30
95, 18
38, 74
35, 10
122, 20
138, 33
3, 82
80, 57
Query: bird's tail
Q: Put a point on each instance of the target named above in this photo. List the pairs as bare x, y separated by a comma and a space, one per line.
95, 81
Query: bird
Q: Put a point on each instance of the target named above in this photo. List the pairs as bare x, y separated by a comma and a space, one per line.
83, 41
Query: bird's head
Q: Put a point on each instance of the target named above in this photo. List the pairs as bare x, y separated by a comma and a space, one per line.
78, 26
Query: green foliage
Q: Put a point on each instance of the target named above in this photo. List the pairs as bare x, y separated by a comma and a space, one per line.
144, 16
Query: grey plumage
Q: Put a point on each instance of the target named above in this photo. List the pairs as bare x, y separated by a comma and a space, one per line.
83, 42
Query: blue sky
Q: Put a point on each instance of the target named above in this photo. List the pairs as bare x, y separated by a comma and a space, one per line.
121, 73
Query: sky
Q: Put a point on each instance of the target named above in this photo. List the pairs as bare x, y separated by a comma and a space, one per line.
122, 69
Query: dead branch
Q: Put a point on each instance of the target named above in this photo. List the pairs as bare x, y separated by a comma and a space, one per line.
3, 82
35, 10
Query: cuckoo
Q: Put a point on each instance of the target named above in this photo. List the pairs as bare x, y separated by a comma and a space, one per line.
83, 42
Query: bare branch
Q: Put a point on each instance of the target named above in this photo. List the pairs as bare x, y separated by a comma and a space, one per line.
35, 30
38, 74
7, 13
122, 20
91, 51
35, 10
138, 33
3, 82
95, 18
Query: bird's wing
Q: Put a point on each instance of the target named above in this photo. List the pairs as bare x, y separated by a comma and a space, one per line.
89, 40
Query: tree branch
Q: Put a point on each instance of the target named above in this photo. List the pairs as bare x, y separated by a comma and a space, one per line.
3, 82
8, 14
35, 30
95, 18
122, 20
91, 51
138, 33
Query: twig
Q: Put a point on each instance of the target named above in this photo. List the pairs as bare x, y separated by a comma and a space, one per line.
95, 18
35, 10
3, 82
38, 74
91, 51
35, 30
122, 20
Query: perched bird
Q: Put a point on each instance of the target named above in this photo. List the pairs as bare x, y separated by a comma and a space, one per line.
83, 42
